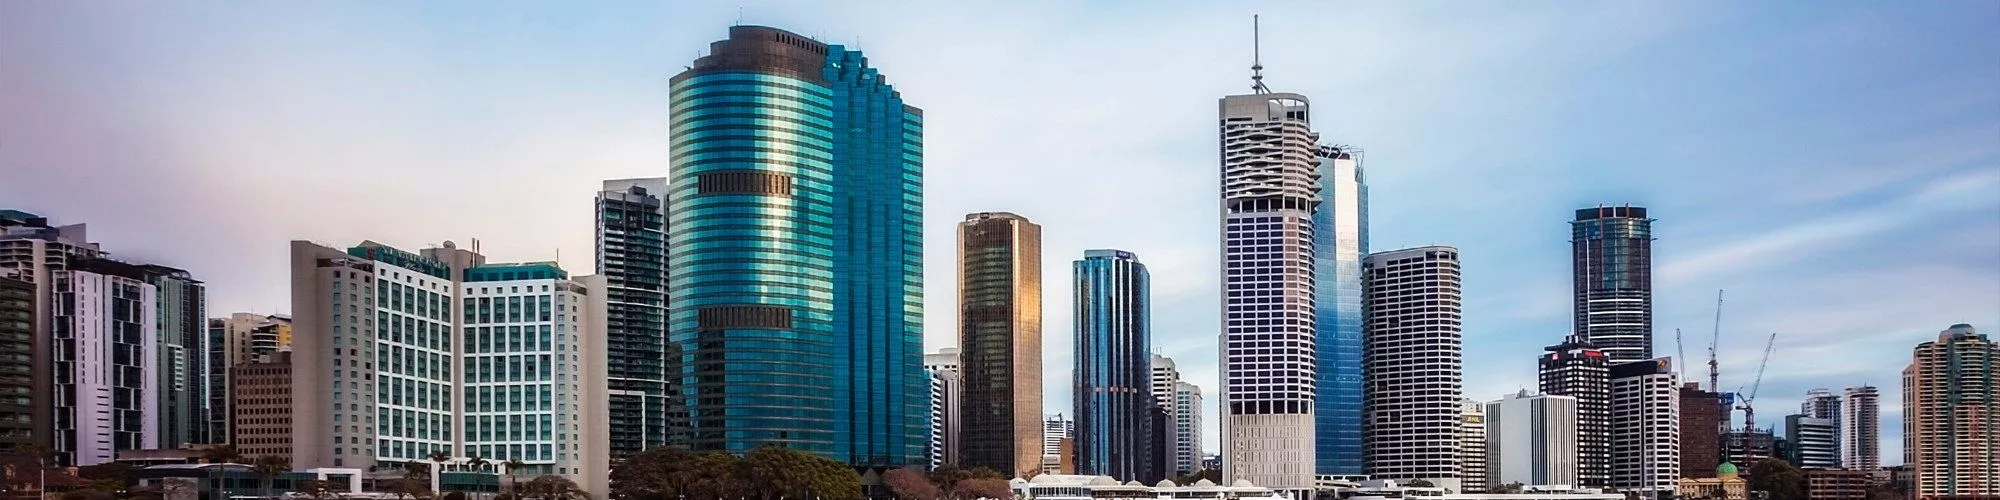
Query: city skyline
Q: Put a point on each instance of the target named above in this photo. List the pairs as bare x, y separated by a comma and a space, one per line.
1883, 198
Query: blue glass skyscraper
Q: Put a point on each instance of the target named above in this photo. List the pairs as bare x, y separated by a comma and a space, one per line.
795, 282
1114, 370
1340, 240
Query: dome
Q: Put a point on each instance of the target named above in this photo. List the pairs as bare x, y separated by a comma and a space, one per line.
1104, 481
1726, 470
1134, 482
1043, 479
1242, 483
1018, 481
1205, 483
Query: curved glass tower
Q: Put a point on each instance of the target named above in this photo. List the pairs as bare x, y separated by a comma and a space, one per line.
795, 252
1114, 370
1340, 241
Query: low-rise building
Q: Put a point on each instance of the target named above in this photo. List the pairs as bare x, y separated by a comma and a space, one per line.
1838, 484
1726, 485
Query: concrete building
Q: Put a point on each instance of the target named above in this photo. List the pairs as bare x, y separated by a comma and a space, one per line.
1000, 342
1340, 241
1838, 484
1412, 418
945, 400
1187, 428
182, 367
1611, 249
945, 359
795, 256
1739, 446
1271, 193
31, 251
234, 340
261, 408
1811, 442
1645, 427
1578, 369
1472, 446
631, 246
1951, 416
1724, 484
398, 355
1388, 489
1823, 403
1116, 373
1703, 418
1860, 428
1058, 445
25, 409
1531, 440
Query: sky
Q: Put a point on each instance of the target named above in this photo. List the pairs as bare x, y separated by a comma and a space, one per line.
1835, 166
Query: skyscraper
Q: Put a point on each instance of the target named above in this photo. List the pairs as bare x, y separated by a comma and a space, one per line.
1340, 240
1114, 366
1472, 446
233, 340
632, 257
105, 311
182, 367
1531, 440
1270, 196
1187, 428
1860, 428
794, 248
397, 355
1000, 342
1702, 420
1411, 414
1645, 427
1951, 416
1811, 442
1822, 403
1165, 375
1612, 255
23, 414
1577, 369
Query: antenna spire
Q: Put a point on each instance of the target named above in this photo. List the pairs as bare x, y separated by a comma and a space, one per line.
1257, 57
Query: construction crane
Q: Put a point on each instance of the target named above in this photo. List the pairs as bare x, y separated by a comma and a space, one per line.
1750, 414
1714, 371
1680, 356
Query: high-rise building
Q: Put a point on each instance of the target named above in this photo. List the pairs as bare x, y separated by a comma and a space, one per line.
1340, 240
1411, 416
1749, 447
1058, 445
22, 368
261, 412
1611, 249
1187, 428
1951, 416
1165, 376
1702, 420
1115, 372
795, 254
1531, 440
1822, 403
1645, 427
397, 355
944, 419
945, 359
182, 367
234, 340
1271, 167
1000, 342
632, 258
1472, 446
1811, 441
1860, 428
1577, 369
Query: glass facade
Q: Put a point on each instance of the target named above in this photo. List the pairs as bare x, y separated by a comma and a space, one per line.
794, 245
1000, 341
632, 257
1612, 252
1114, 370
1340, 239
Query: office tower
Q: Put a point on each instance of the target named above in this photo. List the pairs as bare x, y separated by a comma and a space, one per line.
1811, 441
1576, 368
23, 411
1340, 240
261, 412
1187, 428
1645, 427
1165, 451
795, 232
1000, 341
1702, 420
1411, 416
1822, 403
1611, 249
1114, 368
1165, 376
1860, 427
397, 355
234, 340
1058, 444
1472, 446
182, 364
1531, 440
1270, 196
1750, 447
944, 419
1951, 416
1157, 448
632, 258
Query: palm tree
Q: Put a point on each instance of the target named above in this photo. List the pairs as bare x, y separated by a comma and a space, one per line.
224, 454
476, 462
269, 467
513, 464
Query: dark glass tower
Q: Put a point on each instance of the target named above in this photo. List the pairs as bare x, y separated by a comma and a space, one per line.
1340, 241
1000, 342
1612, 255
1578, 369
794, 244
632, 257
1114, 395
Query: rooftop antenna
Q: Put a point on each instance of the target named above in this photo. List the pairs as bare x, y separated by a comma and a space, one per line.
1257, 57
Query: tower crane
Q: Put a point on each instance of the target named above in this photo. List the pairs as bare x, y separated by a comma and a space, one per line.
1750, 414
1714, 372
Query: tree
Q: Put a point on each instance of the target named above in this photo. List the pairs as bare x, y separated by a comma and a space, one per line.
984, 487
1509, 488
223, 454
476, 462
774, 472
321, 490
908, 483
513, 464
655, 474
269, 467
553, 488
456, 495
1212, 475
1777, 478
23, 466
407, 487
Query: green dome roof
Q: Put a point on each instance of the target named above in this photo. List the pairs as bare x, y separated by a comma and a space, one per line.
1726, 468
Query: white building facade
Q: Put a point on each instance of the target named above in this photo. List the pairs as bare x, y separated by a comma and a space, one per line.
1531, 440
1187, 428
1645, 428
1472, 447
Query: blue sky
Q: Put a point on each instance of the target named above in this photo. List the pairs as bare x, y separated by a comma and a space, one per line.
1834, 165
